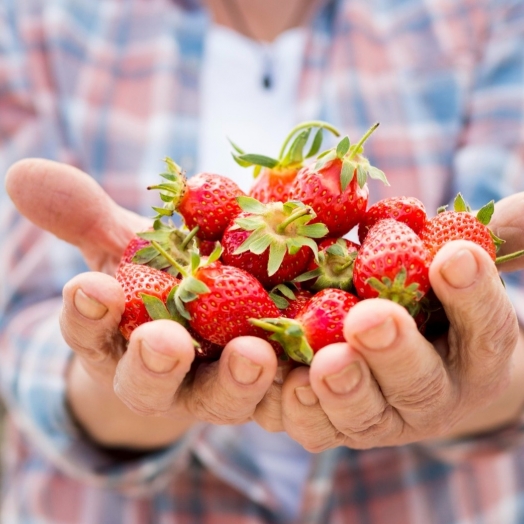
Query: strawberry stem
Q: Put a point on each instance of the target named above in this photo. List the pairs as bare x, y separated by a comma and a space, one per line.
169, 258
360, 143
291, 218
264, 325
189, 237
511, 256
305, 125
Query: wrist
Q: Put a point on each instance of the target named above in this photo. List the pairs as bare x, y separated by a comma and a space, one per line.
503, 411
109, 423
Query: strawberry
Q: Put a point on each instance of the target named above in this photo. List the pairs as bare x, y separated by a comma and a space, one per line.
218, 300
274, 242
336, 257
336, 186
404, 209
392, 263
289, 301
320, 322
206, 201
461, 224
205, 350
144, 287
296, 305
273, 177
133, 246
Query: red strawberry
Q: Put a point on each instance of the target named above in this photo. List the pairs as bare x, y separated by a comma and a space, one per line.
273, 242
133, 246
319, 323
206, 201
204, 349
392, 263
404, 209
336, 257
219, 300
289, 301
142, 285
336, 186
296, 305
460, 224
274, 176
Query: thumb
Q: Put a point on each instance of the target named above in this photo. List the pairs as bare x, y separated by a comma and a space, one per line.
71, 205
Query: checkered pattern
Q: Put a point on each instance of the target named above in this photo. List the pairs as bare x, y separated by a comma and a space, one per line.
112, 87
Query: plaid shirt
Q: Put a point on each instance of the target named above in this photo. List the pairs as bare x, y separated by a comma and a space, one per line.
112, 87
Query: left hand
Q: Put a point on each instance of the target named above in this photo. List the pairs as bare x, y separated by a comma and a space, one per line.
389, 386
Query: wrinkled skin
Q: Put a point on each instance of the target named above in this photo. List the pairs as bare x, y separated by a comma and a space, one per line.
386, 385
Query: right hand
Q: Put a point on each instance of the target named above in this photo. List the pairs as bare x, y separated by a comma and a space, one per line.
114, 391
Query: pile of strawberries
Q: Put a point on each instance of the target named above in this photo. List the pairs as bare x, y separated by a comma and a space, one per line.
274, 263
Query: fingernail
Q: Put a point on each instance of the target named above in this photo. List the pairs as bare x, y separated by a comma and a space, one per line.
380, 336
244, 371
155, 361
282, 372
306, 396
89, 307
344, 381
461, 270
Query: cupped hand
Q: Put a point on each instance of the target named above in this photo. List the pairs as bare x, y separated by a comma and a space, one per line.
113, 390
389, 386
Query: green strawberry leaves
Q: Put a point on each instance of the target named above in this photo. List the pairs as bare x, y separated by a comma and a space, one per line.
281, 227
292, 150
290, 335
172, 191
352, 161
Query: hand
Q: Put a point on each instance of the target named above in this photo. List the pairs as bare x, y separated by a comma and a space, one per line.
389, 386
114, 393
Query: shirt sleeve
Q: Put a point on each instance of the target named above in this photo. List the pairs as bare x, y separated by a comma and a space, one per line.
34, 267
489, 163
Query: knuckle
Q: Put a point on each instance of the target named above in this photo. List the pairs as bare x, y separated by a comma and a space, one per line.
369, 428
218, 410
141, 399
426, 392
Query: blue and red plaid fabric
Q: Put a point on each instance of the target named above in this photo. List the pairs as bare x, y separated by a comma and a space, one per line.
113, 87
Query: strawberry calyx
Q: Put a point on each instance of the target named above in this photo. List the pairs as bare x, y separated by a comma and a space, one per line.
172, 191
397, 291
190, 286
281, 227
292, 155
353, 161
290, 335
157, 310
281, 294
176, 242
335, 268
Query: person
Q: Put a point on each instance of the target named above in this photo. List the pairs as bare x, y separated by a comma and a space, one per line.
386, 427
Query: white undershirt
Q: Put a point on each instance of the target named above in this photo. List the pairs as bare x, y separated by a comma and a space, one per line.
234, 104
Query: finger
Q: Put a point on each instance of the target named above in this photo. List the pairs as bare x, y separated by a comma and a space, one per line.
92, 306
484, 328
508, 223
410, 373
228, 391
70, 204
351, 398
303, 417
149, 374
